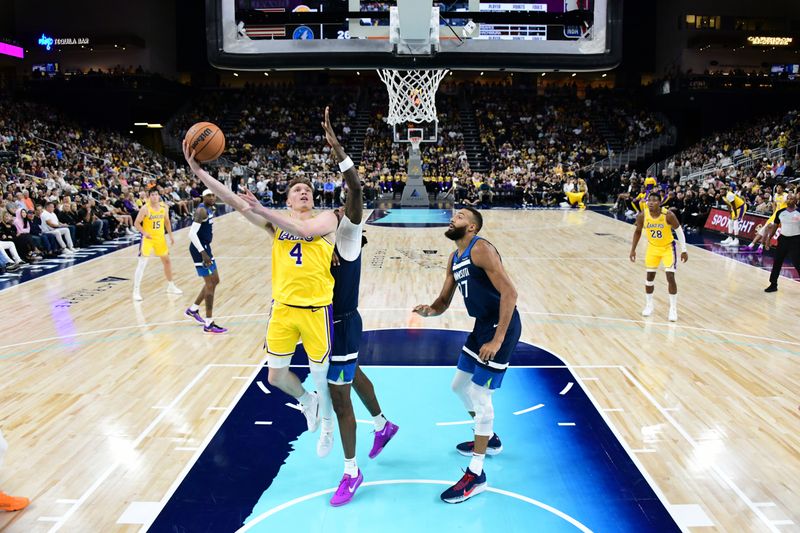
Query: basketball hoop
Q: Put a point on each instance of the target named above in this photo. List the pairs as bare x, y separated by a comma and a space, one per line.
412, 94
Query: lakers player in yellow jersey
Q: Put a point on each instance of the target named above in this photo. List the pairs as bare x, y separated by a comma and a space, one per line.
302, 291
737, 207
779, 199
658, 226
154, 225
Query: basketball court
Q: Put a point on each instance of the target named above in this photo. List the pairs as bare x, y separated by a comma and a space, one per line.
133, 418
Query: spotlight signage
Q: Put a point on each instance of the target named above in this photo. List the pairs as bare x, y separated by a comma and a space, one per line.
49, 42
761, 40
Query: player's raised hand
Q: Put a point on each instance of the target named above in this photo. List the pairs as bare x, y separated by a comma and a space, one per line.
250, 199
330, 136
633, 256
189, 156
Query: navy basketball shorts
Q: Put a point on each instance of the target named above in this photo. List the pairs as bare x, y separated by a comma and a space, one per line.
203, 270
489, 374
346, 341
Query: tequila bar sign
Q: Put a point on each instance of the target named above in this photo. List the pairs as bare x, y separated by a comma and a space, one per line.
49, 42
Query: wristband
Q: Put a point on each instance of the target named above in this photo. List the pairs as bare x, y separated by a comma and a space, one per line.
346, 165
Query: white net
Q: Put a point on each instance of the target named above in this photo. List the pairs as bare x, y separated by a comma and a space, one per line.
412, 94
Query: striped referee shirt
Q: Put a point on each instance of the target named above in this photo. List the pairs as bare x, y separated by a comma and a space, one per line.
789, 221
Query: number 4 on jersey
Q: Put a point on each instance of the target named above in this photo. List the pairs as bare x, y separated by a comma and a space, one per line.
297, 253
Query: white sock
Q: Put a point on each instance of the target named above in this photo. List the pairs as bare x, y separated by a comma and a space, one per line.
350, 467
760, 246
305, 399
673, 301
380, 422
194, 307
327, 424
648, 298
137, 278
751, 245
209, 320
476, 464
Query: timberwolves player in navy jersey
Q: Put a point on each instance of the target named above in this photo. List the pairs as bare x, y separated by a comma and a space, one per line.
476, 269
344, 369
200, 235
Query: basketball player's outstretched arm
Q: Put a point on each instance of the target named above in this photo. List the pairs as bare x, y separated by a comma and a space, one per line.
637, 234
442, 302
353, 209
319, 226
168, 225
485, 256
222, 192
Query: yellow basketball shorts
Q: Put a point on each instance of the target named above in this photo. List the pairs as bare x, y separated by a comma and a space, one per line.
288, 325
656, 255
150, 246
575, 197
738, 213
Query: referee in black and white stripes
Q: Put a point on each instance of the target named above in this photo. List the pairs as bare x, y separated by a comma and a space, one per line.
788, 219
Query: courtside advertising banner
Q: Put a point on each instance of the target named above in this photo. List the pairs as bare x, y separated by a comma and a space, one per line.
748, 227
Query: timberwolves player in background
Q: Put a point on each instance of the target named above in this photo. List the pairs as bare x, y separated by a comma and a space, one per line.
658, 224
347, 327
490, 297
200, 235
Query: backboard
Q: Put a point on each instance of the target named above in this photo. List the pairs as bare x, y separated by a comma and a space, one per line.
474, 34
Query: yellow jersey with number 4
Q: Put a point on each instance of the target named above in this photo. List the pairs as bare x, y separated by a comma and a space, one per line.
301, 270
153, 223
657, 229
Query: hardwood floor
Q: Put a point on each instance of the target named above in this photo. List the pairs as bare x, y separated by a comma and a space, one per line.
104, 401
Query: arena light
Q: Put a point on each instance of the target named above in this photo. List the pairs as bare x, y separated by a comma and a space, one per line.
266, 74
155, 126
11, 50
604, 75
140, 123
544, 74
574, 74
762, 40
236, 74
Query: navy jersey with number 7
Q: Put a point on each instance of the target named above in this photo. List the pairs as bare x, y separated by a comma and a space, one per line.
480, 296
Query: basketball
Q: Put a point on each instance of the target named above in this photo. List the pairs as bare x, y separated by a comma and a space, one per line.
207, 140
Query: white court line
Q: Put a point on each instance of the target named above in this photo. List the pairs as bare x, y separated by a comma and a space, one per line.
782, 523
723, 476
179, 479
100, 480
670, 325
566, 423
633, 457
260, 518
460, 423
126, 248
529, 409
566, 389
263, 423
263, 388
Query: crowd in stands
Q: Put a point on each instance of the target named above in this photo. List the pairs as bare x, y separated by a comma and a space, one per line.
537, 149
66, 185
533, 143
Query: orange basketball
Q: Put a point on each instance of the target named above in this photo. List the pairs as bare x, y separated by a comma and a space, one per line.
207, 140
